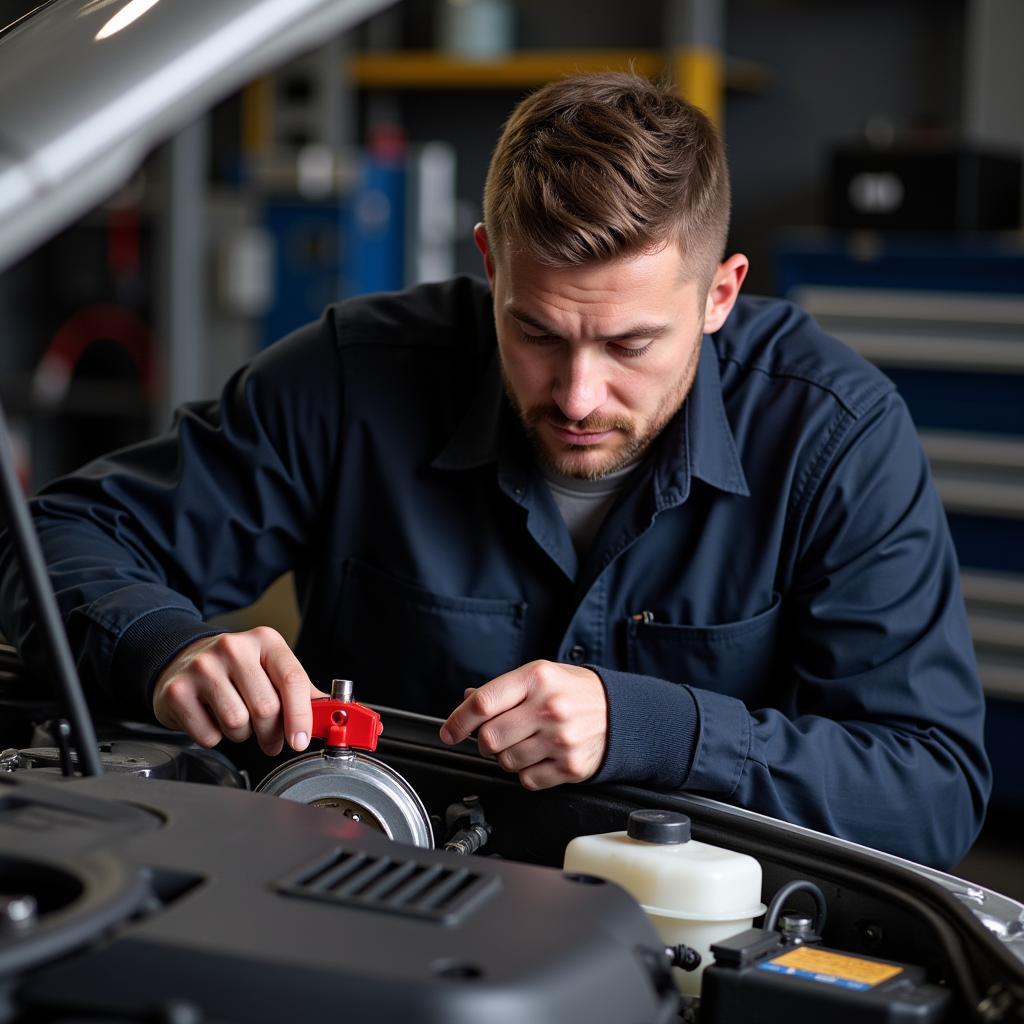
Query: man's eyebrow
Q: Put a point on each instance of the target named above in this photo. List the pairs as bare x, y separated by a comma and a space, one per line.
525, 318
641, 330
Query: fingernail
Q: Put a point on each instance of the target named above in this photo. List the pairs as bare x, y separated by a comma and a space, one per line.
446, 736
300, 741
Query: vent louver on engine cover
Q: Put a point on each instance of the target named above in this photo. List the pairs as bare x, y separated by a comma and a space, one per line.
433, 892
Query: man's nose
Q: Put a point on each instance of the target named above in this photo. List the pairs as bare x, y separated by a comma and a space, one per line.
580, 388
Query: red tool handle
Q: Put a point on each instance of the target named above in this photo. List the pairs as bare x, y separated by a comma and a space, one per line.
346, 724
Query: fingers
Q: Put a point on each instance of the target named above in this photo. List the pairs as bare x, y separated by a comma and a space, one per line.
484, 703
547, 722
195, 693
227, 706
237, 690
546, 760
185, 712
263, 706
235, 685
506, 731
292, 683
544, 775
523, 755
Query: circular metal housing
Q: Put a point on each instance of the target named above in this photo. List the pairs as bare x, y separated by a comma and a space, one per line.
357, 785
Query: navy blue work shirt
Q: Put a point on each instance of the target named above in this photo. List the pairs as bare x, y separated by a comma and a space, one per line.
772, 605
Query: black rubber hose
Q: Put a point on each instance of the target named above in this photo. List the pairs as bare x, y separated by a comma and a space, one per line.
686, 958
797, 885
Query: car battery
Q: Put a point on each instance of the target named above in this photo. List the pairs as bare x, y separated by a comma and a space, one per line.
759, 978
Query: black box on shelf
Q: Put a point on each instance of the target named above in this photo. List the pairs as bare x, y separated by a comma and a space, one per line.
904, 189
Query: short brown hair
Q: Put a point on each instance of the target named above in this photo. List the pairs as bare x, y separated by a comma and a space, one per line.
602, 166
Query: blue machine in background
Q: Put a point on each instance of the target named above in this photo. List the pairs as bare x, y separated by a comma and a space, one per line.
331, 249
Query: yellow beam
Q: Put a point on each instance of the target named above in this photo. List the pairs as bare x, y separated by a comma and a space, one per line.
701, 75
427, 69
257, 101
700, 78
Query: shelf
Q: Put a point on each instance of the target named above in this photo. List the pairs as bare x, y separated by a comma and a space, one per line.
427, 69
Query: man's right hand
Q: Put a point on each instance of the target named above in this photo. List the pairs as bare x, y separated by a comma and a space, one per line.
236, 684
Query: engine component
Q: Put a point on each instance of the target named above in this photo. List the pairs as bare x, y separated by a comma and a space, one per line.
122, 756
344, 778
151, 894
694, 893
467, 827
797, 928
145, 758
760, 976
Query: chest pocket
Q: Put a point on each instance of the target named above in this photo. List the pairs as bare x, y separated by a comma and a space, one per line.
416, 650
735, 658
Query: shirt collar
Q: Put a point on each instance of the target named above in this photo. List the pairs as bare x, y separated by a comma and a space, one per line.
700, 440
697, 441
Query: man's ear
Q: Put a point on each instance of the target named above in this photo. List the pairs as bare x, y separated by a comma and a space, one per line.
484, 245
724, 290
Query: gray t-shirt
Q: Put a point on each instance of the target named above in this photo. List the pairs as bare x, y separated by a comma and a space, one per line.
585, 503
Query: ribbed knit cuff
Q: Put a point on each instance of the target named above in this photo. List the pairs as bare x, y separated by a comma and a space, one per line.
143, 650
653, 727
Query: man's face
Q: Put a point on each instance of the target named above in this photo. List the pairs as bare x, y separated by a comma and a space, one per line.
596, 359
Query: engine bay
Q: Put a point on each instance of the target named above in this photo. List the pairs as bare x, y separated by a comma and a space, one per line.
164, 890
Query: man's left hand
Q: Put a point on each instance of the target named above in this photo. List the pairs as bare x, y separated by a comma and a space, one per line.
545, 721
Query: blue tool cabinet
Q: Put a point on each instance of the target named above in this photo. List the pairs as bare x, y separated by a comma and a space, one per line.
944, 318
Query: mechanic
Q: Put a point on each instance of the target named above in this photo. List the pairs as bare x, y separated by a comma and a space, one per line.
618, 521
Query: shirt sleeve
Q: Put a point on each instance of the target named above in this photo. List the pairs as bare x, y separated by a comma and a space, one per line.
143, 545
882, 680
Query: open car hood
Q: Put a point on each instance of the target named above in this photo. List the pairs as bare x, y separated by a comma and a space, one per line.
89, 87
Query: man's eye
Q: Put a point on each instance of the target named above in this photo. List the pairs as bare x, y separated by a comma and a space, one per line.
537, 339
631, 352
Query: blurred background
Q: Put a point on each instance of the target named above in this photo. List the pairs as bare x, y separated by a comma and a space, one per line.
875, 148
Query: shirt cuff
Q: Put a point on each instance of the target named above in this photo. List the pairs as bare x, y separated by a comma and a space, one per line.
723, 746
143, 650
653, 726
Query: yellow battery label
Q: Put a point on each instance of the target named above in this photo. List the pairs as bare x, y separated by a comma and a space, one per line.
831, 968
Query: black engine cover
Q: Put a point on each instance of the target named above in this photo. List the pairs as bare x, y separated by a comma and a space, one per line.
156, 894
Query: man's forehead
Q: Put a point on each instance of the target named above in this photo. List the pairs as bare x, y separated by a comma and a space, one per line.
509, 250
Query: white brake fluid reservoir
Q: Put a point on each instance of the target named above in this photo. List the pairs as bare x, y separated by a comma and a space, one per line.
694, 893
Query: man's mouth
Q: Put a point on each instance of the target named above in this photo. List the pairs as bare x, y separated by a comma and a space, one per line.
579, 437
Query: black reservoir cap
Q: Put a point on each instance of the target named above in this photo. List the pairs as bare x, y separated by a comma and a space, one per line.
658, 826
